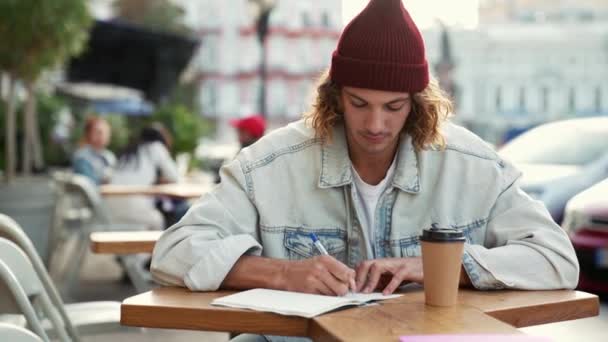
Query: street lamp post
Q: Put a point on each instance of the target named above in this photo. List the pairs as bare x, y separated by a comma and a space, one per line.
262, 9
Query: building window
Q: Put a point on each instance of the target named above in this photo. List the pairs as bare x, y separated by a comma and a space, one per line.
209, 99
572, 100
210, 55
325, 20
522, 99
306, 22
278, 98
545, 98
498, 99
598, 99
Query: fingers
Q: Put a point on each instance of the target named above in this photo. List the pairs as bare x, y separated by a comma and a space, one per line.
322, 288
339, 271
362, 270
353, 285
373, 276
398, 278
337, 287
314, 284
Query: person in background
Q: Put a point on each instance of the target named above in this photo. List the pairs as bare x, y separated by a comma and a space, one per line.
145, 162
249, 129
92, 159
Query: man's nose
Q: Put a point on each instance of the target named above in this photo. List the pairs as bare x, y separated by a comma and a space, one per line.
374, 123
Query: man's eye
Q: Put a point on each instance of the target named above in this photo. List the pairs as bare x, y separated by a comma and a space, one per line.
394, 108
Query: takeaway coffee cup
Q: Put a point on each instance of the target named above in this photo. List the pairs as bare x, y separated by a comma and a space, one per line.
441, 259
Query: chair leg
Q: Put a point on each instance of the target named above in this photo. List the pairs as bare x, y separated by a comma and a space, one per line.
74, 266
140, 277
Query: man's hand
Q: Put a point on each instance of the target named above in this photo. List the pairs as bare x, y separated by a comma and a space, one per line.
387, 274
318, 275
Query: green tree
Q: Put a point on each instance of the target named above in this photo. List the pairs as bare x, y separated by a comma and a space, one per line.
185, 126
36, 36
161, 15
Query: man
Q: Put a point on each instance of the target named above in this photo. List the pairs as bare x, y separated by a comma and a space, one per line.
373, 164
92, 159
249, 129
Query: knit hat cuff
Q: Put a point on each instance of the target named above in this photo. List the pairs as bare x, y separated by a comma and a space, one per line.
411, 78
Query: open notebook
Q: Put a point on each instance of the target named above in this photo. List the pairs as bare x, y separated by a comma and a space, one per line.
294, 303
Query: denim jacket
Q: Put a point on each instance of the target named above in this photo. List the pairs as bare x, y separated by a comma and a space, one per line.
289, 184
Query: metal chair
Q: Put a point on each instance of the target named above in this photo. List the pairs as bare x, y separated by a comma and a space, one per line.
84, 318
99, 220
27, 294
9, 332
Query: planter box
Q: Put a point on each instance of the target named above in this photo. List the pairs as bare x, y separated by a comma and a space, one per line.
31, 202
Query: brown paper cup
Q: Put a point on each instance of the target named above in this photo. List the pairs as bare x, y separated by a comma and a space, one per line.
441, 262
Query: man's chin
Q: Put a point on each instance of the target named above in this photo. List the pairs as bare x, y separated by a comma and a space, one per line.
375, 149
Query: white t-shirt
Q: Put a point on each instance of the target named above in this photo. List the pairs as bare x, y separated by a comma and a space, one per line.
150, 160
369, 196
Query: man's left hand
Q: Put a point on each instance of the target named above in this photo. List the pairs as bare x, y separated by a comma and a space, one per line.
374, 274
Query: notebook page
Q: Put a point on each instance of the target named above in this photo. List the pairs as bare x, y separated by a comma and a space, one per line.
292, 303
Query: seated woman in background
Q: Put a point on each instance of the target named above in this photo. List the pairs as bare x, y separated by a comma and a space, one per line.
92, 159
144, 162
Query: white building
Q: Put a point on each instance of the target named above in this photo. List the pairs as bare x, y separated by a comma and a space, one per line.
300, 39
518, 73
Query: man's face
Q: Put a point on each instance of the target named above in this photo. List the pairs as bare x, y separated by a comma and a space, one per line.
100, 135
373, 120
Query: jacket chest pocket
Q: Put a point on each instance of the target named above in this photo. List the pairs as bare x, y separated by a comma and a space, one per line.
410, 246
298, 243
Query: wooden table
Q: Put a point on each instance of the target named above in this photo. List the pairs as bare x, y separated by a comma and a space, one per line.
124, 242
477, 312
175, 190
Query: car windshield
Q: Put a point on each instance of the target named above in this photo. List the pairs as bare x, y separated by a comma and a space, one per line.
566, 143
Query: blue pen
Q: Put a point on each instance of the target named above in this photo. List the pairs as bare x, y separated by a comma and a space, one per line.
318, 244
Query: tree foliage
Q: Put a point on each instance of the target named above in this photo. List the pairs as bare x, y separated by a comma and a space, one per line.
38, 35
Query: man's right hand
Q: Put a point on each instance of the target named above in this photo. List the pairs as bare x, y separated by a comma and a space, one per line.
318, 275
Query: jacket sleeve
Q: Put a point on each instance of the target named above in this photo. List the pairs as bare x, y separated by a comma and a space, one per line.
524, 248
199, 251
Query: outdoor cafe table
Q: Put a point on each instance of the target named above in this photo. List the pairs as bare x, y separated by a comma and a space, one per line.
488, 312
124, 242
174, 190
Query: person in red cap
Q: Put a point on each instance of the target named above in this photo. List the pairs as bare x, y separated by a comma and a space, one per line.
249, 129
373, 163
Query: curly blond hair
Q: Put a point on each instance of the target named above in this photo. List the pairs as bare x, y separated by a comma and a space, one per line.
430, 108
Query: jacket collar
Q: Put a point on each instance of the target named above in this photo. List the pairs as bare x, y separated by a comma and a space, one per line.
336, 165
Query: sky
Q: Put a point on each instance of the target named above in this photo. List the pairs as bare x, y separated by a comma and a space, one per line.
424, 12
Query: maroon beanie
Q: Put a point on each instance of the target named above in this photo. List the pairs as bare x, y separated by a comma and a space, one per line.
382, 49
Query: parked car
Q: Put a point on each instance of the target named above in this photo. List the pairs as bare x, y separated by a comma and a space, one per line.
560, 159
586, 221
